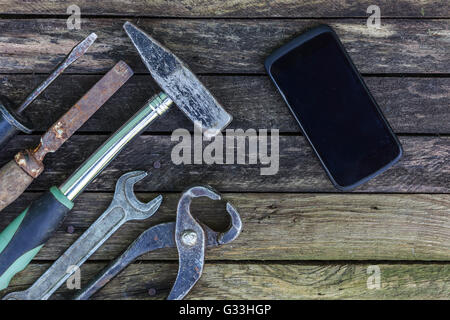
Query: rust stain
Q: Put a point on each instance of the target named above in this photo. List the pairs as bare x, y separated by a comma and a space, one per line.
31, 160
28, 162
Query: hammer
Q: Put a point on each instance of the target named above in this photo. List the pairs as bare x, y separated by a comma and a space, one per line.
27, 234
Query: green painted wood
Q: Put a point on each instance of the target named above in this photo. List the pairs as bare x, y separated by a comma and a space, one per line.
268, 281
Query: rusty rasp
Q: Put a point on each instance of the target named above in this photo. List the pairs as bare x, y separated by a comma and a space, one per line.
179, 83
16, 176
12, 120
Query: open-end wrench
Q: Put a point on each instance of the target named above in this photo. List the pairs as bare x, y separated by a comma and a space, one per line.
191, 238
124, 207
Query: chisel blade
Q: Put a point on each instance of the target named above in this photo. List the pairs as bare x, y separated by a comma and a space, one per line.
78, 51
179, 83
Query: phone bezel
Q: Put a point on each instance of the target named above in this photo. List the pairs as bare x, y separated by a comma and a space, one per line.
300, 40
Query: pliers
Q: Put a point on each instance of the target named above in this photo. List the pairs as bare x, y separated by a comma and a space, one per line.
191, 238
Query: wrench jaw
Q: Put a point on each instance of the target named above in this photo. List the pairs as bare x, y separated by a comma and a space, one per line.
146, 210
126, 198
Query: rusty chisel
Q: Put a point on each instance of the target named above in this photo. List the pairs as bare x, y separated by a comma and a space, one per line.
11, 119
16, 175
27, 234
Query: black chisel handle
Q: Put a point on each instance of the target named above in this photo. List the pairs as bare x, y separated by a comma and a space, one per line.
27, 234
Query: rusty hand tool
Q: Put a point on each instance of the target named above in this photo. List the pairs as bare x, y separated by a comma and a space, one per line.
123, 208
26, 235
12, 121
187, 234
27, 165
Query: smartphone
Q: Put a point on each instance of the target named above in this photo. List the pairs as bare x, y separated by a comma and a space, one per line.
335, 110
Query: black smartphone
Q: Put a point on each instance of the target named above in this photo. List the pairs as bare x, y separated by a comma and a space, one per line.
335, 110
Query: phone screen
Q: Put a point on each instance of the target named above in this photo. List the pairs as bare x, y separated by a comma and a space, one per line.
335, 110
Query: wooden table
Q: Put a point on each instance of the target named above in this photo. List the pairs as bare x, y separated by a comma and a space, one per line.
301, 238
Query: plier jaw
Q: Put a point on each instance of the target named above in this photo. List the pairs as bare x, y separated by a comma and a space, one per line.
192, 238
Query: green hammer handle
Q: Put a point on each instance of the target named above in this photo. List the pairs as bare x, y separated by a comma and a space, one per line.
27, 234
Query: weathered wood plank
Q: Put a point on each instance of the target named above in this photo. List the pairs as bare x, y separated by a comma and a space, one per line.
283, 226
411, 105
424, 168
218, 46
220, 8
266, 281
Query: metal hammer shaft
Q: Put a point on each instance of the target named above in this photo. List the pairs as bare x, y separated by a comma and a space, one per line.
76, 183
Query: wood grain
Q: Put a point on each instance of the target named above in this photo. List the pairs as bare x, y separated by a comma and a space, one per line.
220, 8
283, 226
223, 46
411, 105
425, 167
301, 239
266, 281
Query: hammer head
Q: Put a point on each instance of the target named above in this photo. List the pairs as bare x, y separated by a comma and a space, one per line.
179, 83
